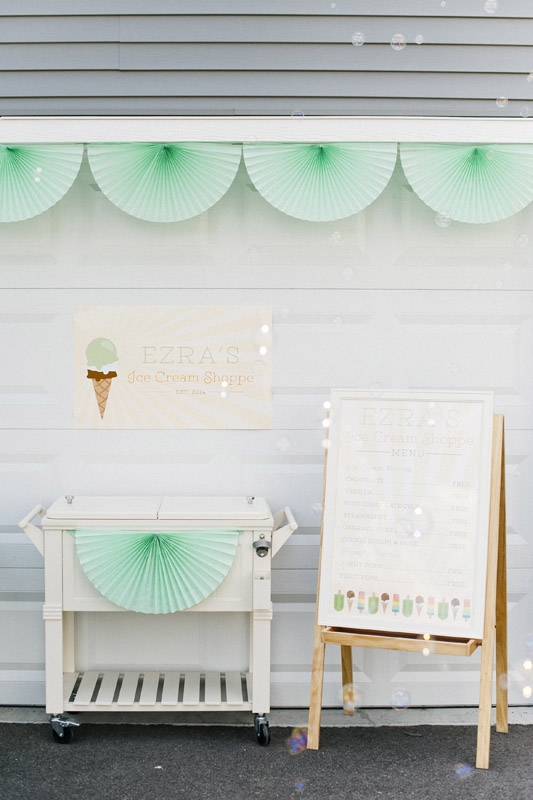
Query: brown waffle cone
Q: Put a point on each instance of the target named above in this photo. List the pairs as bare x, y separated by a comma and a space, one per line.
101, 392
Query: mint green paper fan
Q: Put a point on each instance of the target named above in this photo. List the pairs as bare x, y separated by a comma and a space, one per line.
320, 182
164, 182
156, 573
471, 183
33, 177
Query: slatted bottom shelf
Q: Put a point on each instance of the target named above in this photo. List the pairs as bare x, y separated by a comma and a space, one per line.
157, 691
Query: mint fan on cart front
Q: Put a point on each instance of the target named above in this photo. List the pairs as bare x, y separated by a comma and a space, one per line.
156, 573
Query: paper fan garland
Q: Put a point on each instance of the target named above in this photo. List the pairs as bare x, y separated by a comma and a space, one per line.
471, 183
164, 182
156, 573
34, 177
321, 182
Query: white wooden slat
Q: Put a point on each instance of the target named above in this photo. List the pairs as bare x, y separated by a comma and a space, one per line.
69, 680
250, 686
213, 693
107, 688
171, 688
86, 689
191, 690
128, 689
234, 689
149, 689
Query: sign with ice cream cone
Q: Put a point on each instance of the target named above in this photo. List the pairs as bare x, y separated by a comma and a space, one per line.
404, 543
160, 367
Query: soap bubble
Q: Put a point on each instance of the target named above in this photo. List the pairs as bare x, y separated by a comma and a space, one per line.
525, 111
400, 699
443, 4
413, 524
527, 664
327, 404
522, 240
351, 697
297, 741
283, 444
398, 41
463, 770
337, 320
334, 5
503, 681
490, 155
425, 651
501, 102
348, 274
419, 39
528, 639
442, 219
317, 508
223, 394
530, 77
491, 6
358, 38
526, 691
300, 785
335, 237
326, 443
297, 113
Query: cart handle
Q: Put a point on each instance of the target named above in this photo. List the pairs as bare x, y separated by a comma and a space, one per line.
280, 532
34, 533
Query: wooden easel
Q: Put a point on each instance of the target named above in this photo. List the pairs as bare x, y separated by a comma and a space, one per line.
495, 624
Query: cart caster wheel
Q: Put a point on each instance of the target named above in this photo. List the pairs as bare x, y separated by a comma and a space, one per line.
65, 737
263, 734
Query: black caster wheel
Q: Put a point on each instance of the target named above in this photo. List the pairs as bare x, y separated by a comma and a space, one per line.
263, 733
65, 737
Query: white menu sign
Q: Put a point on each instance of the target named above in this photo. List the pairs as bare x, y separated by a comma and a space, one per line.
406, 512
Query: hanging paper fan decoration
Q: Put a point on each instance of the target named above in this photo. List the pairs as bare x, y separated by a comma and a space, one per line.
471, 183
34, 177
156, 573
164, 182
320, 182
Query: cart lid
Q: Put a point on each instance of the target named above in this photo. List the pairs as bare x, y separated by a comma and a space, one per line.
234, 508
104, 508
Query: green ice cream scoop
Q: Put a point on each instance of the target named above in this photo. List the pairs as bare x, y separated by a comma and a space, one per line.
100, 352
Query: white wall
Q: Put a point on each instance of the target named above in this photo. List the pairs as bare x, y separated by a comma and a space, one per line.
383, 298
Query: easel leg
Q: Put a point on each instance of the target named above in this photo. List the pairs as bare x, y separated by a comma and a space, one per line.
317, 682
485, 702
347, 679
502, 724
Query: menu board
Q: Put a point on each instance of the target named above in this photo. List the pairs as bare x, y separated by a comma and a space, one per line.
406, 512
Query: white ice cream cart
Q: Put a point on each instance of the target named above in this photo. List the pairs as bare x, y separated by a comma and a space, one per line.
156, 555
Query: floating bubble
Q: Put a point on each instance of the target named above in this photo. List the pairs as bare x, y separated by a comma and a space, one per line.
348, 274
528, 639
443, 4
501, 102
398, 42
158, 767
223, 394
297, 113
335, 237
327, 404
503, 681
326, 443
297, 741
283, 444
300, 785
528, 664
525, 111
490, 155
265, 328
317, 508
432, 421
491, 6
463, 770
413, 524
431, 404
425, 651
442, 219
427, 637
326, 422
530, 77
334, 5
400, 699
526, 691
263, 350
522, 240
351, 697
419, 39
37, 179
337, 321
358, 38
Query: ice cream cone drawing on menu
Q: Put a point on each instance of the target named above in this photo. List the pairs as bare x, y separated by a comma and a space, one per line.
431, 607
395, 604
466, 610
102, 361
419, 602
455, 603
384, 602
350, 597
361, 602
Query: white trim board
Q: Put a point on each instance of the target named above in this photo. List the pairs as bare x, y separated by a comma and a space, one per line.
271, 129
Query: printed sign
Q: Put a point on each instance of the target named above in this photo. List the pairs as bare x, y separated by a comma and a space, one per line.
406, 512
172, 367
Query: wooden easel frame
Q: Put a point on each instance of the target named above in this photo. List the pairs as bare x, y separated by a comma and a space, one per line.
495, 626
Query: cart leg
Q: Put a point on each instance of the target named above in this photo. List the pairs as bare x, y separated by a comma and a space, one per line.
53, 621
68, 641
317, 682
347, 679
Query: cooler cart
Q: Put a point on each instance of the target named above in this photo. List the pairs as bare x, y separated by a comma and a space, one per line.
82, 539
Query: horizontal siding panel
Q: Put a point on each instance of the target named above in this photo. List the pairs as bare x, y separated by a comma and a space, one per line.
279, 84
460, 8
305, 57
60, 29
43, 57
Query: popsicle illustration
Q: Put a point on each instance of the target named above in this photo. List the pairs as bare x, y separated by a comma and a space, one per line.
373, 604
361, 602
466, 610
338, 601
442, 610
407, 607
431, 606
350, 596
455, 603
395, 603
101, 369
419, 601
384, 601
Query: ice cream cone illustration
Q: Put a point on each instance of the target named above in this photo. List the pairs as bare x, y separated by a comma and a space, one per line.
338, 601
442, 610
407, 607
419, 602
361, 602
101, 369
466, 610
350, 597
431, 606
455, 603
395, 604
373, 604
384, 601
